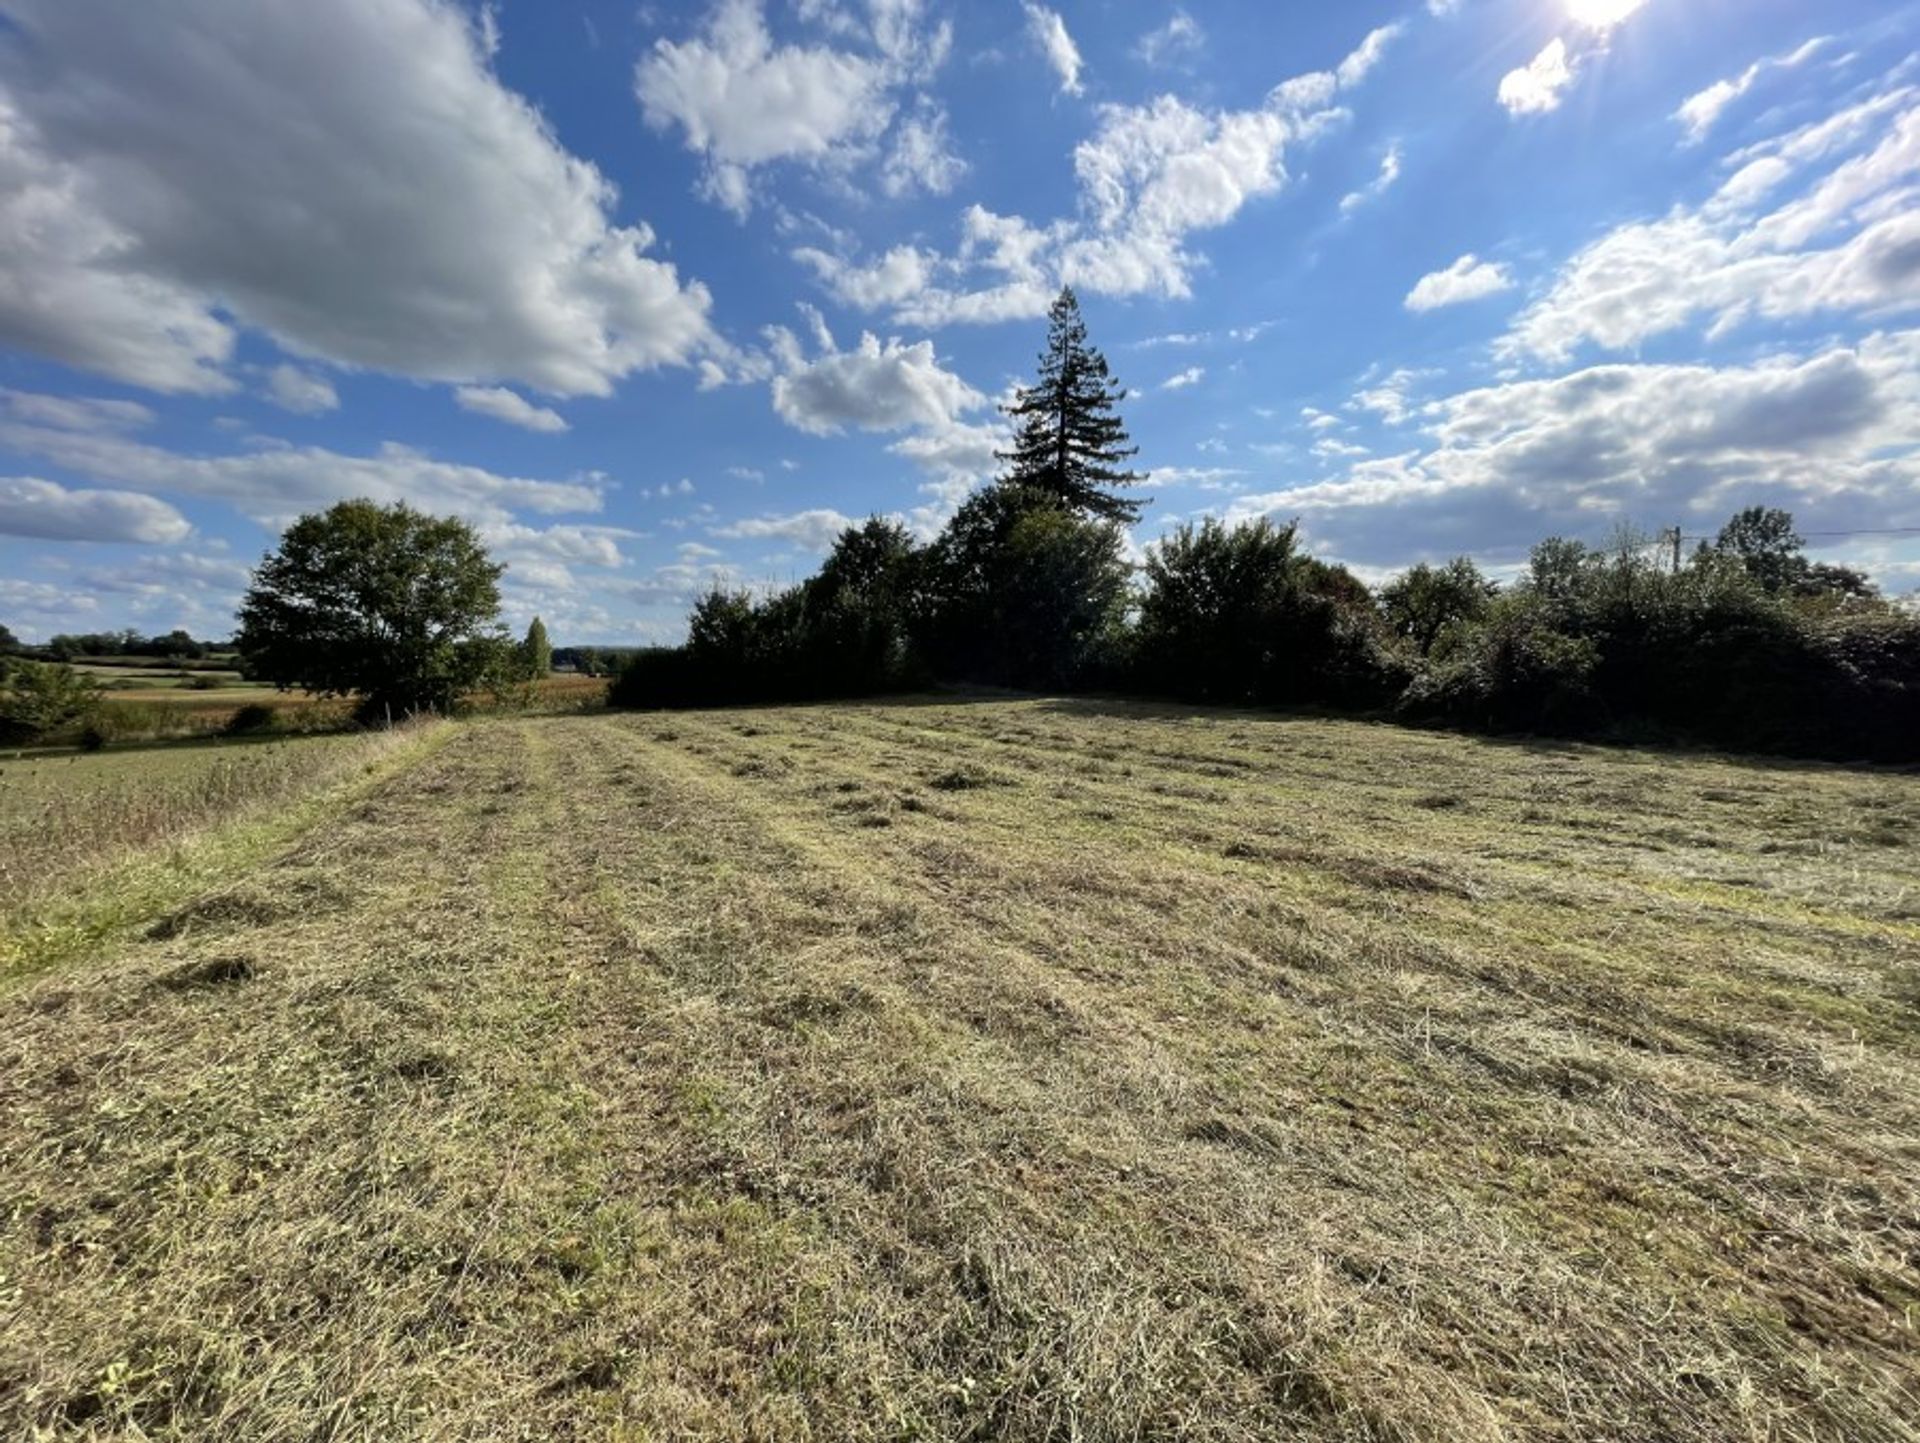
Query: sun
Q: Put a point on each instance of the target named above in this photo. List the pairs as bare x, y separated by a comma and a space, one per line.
1602, 14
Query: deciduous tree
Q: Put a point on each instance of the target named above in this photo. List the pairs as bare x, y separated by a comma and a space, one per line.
385, 603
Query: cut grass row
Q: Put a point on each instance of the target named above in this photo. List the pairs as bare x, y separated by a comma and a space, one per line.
1012, 1070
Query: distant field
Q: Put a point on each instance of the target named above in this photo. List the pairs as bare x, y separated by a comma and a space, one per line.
996, 1070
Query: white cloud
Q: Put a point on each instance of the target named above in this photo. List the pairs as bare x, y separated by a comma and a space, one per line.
293, 389
74, 413
1150, 176
1180, 37
509, 406
1467, 279
1355, 67
272, 485
1602, 16
1537, 86
877, 386
46, 511
1200, 478
1730, 259
742, 102
1180, 380
1378, 186
1387, 397
893, 280
1049, 32
922, 157
352, 179
1827, 436
1701, 111
813, 530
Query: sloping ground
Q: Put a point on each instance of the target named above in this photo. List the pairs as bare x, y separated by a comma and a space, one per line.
1008, 1070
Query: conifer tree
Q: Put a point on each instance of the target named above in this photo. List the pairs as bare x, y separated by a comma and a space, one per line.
1069, 442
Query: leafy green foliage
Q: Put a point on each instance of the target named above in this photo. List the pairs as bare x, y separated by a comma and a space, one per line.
384, 603
1239, 614
1022, 591
1430, 606
1069, 441
535, 653
844, 632
39, 699
1764, 541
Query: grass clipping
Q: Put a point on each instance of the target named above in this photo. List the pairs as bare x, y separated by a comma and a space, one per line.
1021, 1070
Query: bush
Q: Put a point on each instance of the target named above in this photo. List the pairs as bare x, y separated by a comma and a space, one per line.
1239, 615
1514, 672
250, 720
39, 699
1021, 591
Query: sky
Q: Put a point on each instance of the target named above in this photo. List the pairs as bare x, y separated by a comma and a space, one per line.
663, 295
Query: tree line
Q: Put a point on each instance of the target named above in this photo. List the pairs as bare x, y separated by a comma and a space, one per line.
1744, 643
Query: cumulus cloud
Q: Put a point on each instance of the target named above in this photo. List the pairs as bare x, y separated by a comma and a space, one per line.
1180, 380
1150, 177
741, 101
292, 389
1826, 435
922, 158
46, 511
1537, 86
1700, 112
509, 406
877, 386
813, 530
1049, 35
1849, 241
1467, 279
351, 179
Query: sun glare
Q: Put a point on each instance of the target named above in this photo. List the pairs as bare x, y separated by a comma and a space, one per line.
1602, 14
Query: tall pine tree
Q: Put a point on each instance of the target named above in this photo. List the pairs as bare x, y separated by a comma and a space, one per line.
1068, 441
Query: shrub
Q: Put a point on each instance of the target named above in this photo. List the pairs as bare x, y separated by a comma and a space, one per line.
1238, 614
38, 699
250, 720
1021, 591
1515, 672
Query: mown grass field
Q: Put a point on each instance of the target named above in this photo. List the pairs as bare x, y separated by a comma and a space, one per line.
983, 1070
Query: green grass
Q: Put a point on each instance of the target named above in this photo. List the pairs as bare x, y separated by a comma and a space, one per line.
985, 1070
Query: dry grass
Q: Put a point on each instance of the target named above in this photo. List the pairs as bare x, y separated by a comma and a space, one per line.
1012, 1070
67, 819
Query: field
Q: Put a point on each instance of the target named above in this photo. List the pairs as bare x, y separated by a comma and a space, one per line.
988, 1070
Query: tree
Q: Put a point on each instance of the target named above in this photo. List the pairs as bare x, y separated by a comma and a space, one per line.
8, 642
1429, 603
536, 652
1764, 540
1069, 442
1240, 614
381, 602
38, 697
1020, 590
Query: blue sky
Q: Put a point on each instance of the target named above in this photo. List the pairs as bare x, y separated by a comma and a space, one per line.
662, 294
